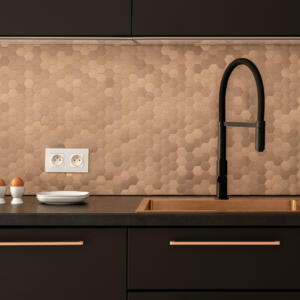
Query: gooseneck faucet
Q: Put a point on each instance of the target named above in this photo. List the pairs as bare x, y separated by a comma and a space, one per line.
259, 125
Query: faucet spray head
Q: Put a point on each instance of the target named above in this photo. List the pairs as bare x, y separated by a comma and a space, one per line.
260, 136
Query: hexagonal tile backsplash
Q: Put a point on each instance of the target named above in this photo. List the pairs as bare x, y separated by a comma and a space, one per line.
149, 116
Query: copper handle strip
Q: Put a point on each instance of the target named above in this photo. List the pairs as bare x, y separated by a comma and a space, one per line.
238, 243
14, 244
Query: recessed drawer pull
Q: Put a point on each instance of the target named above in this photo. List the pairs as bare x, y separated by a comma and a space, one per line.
14, 244
237, 243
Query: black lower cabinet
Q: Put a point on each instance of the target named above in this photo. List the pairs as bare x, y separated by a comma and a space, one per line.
214, 296
63, 263
92, 264
271, 262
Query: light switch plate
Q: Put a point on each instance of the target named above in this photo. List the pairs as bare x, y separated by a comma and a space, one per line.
68, 160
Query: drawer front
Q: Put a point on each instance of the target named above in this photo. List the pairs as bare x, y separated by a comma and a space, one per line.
263, 265
215, 18
214, 296
63, 264
65, 18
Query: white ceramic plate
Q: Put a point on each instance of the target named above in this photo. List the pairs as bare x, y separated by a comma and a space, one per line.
62, 197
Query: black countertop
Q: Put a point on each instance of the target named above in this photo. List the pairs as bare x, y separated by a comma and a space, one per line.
114, 211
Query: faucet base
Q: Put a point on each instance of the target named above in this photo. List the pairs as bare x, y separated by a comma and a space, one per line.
222, 190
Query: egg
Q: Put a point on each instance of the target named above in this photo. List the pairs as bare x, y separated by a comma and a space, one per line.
2, 182
17, 181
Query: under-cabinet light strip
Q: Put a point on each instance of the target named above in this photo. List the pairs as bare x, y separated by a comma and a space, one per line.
137, 38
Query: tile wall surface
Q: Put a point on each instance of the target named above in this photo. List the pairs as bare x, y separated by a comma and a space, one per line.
149, 116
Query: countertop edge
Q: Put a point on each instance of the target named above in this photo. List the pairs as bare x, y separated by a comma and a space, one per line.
152, 220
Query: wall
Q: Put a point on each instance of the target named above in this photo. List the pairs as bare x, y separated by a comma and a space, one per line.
149, 116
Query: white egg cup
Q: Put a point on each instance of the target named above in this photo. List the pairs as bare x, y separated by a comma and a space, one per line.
17, 192
2, 194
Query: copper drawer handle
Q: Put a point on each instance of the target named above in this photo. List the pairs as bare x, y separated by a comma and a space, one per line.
14, 244
268, 243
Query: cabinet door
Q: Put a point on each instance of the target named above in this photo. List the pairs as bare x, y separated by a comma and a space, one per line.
214, 296
213, 258
65, 18
216, 18
62, 264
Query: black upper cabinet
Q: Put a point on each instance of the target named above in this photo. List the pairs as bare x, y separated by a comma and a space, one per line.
65, 18
216, 18
170, 18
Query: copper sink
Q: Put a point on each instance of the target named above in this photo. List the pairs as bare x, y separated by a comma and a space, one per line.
209, 204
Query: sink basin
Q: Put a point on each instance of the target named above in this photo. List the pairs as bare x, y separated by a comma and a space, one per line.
209, 204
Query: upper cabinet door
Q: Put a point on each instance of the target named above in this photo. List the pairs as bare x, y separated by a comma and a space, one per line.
216, 18
65, 18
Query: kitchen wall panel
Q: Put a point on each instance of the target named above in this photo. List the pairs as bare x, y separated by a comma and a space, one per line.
149, 115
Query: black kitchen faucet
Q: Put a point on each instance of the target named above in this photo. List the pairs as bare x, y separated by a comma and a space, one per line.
259, 125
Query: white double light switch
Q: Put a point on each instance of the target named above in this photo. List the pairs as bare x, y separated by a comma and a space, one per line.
67, 160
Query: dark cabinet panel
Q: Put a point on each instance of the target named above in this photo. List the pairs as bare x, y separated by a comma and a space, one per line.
65, 18
214, 296
95, 270
216, 18
154, 264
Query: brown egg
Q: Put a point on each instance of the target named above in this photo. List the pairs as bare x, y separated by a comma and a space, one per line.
17, 181
2, 182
